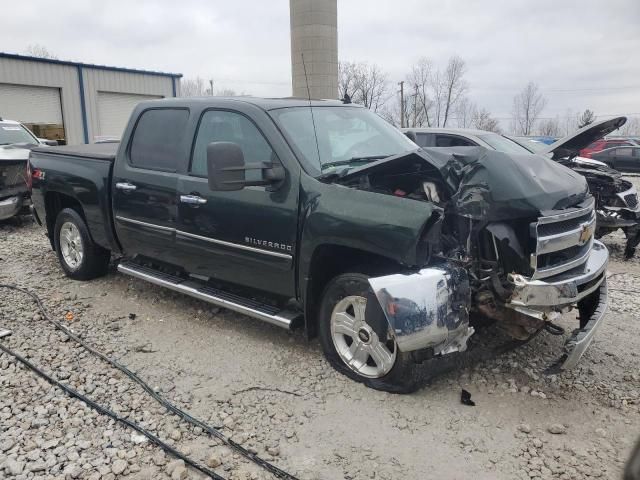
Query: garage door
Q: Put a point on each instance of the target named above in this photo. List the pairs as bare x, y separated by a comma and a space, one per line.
28, 104
114, 110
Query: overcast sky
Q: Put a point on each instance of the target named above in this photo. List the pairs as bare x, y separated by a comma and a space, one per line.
583, 53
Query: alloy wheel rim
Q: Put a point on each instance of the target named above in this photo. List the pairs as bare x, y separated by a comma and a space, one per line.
71, 245
357, 343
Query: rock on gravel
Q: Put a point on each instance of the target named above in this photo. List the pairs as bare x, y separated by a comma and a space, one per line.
119, 466
557, 429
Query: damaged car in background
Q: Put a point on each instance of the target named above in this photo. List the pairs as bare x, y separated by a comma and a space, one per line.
322, 216
616, 198
15, 177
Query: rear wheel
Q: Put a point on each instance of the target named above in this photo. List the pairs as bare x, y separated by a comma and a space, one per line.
354, 345
79, 256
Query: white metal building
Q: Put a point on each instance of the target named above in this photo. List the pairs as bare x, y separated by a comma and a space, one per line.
78, 102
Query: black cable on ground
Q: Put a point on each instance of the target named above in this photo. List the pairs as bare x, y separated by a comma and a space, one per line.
105, 411
165, 403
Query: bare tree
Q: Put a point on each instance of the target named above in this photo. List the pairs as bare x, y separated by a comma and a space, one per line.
466, 113
482, 120
226, 92
372, 86
40, 51
364, 83
550, 127
587, 118
193, 87
631, 128
421, 102
454, 86
346, 79
527, 106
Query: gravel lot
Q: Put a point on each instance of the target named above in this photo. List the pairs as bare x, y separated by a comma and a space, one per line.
273, 392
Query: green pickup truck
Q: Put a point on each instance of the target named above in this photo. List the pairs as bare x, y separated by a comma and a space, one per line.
320, 215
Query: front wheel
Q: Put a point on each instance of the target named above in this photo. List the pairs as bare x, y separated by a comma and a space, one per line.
79, 256
355, 346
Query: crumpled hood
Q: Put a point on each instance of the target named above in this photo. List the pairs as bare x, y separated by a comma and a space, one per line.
489, 185
14, 152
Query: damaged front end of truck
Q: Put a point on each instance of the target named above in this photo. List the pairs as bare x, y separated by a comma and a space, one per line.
509, 239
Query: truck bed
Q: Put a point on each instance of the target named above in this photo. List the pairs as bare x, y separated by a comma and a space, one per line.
81, 175
100, 151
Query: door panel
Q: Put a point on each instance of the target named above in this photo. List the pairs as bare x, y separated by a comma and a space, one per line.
145, 184
246, 236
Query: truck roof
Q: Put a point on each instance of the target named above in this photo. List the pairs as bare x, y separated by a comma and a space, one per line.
263, 103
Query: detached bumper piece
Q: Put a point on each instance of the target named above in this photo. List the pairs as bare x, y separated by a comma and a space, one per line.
427, 309
575, 347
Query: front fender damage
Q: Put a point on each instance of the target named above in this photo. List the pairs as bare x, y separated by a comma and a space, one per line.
428, 308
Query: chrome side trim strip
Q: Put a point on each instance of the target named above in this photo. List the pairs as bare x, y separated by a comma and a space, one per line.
205, 239
233, 245
194, 292
145, 224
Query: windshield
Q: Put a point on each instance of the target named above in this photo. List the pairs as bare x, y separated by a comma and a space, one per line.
347, 136
503, 144
15, 133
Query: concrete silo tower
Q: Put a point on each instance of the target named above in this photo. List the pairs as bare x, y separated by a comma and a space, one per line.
314, 32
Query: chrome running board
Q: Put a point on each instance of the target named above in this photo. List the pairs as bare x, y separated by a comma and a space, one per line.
202, 291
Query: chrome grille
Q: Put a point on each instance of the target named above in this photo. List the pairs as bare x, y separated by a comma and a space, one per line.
563, 240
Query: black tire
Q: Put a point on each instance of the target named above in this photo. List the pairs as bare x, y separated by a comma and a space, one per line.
403, 376
95, 259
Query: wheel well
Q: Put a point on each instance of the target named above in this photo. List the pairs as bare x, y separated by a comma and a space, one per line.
54, 203
327, 262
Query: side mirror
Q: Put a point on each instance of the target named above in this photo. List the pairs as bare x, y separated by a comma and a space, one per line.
226, 169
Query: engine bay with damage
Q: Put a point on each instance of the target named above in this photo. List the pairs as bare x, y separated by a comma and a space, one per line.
509, 240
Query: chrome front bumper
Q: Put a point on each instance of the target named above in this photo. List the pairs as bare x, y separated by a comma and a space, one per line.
564, 289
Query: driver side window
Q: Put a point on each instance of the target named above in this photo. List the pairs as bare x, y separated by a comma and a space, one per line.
225, 126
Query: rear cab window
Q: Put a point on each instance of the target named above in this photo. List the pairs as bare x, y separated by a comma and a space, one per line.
158, 138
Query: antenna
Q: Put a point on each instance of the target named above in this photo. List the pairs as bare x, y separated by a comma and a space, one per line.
313, 120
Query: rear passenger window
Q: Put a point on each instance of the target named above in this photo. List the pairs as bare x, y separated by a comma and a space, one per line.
157, 139
223, 126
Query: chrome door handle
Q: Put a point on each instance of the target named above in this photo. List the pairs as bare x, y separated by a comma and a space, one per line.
126, 187
193, 199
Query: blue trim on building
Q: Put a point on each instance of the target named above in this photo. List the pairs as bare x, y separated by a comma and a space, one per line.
83, 105
29, 58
